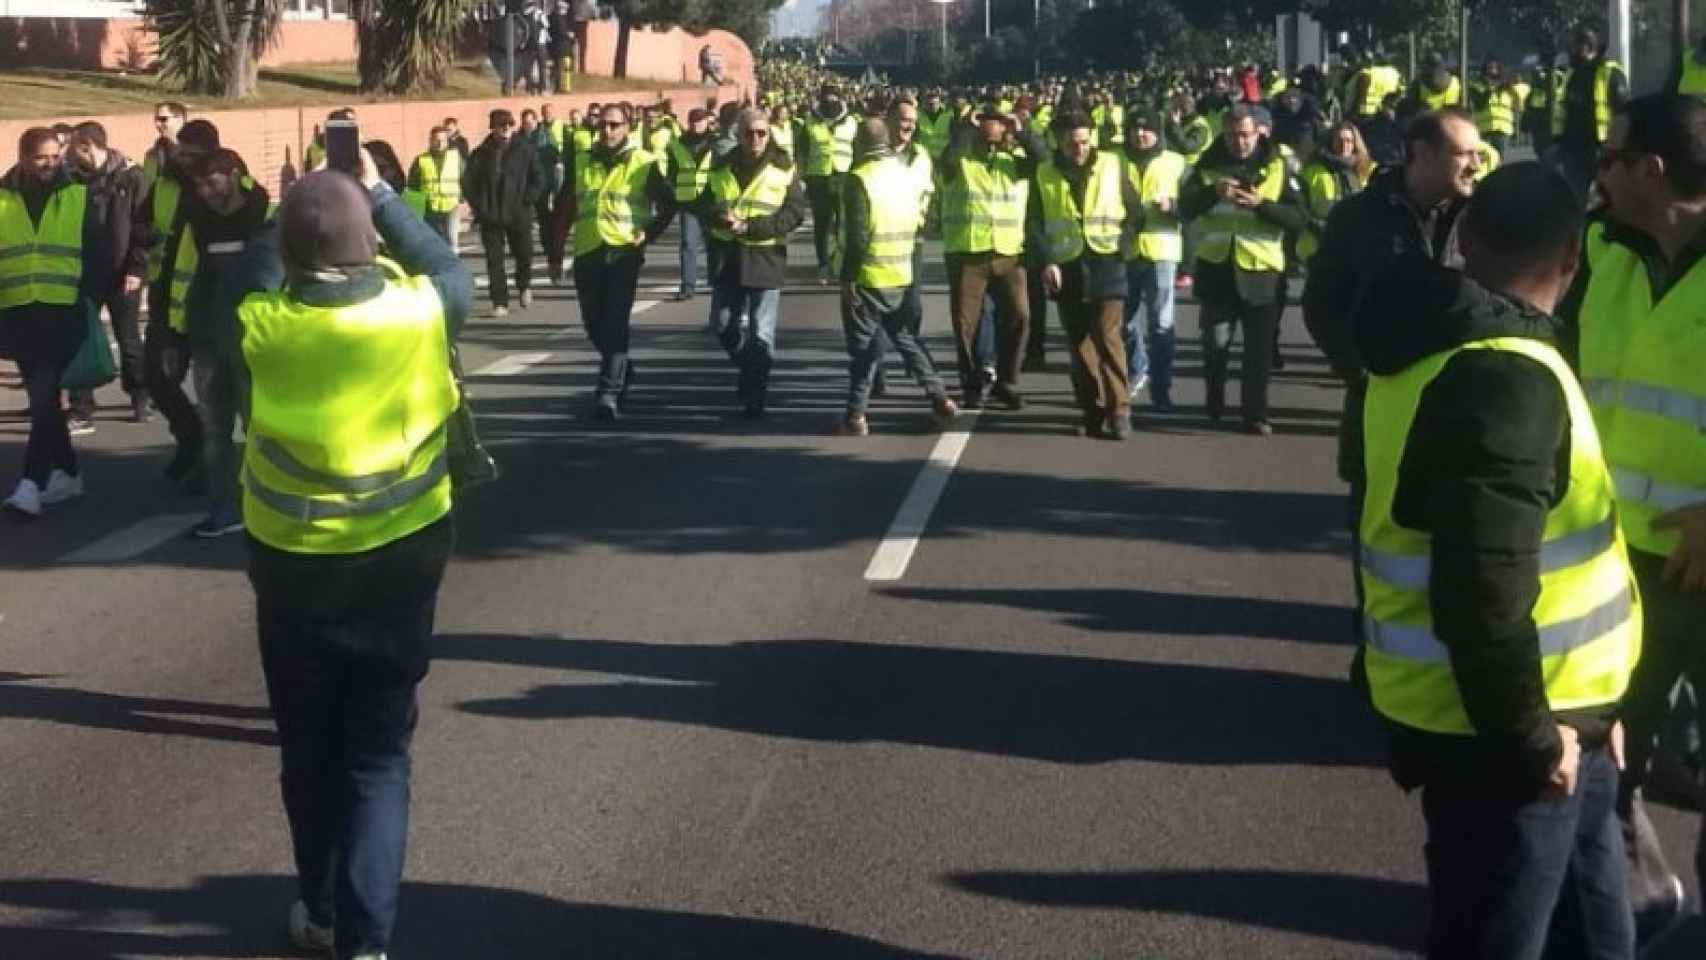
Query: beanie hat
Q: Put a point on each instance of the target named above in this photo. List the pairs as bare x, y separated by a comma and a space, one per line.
326, 222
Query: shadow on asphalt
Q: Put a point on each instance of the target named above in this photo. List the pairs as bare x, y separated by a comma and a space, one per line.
1153, 612
243, 917
1362, 910
23, 698
1061, 709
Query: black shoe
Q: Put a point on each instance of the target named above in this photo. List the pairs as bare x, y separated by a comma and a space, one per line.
1655, 920
1258, 428
604, 408
971, 399
1034, 363
1091, 425
1009, 397
185, 460
682, 295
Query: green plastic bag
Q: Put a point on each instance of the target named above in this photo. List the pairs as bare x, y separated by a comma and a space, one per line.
93, 365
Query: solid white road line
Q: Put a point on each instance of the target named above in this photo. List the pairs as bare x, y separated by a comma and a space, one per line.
893, 555
511, 365
135, 540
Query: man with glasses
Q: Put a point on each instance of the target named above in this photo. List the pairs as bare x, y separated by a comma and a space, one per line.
752, 201
503, 183
169, 118
1640, 350
609, 195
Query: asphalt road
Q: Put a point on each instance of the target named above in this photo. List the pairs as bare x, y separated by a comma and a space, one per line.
1102, 712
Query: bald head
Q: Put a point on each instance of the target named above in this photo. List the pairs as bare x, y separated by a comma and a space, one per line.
872, 135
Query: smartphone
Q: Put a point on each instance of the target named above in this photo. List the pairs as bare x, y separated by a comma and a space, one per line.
343, 146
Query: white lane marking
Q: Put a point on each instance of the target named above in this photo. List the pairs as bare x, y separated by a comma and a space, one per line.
135, 540
893, 555
511, 365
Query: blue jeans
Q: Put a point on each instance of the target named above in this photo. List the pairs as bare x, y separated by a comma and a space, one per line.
745, 320
221, 393
1150, 345
343, 647
692, 243
1526, 881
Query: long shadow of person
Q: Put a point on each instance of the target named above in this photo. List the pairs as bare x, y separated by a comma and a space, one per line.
22, 697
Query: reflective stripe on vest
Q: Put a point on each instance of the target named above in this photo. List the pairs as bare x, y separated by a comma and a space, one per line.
892, 223
765, 194
612, 207
1382, 80
1158, 239
1067, 230
1449, 97
1601, 100
1641, 364
983, 209
832, 146
1587, 614
184, 266
1320, 194
690, 175
165, 213
1230, 232
42, 263
345, 464
441, 185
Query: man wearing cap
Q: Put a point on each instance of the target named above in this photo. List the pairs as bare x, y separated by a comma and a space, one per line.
689, 170
1152, 255
226, 214
503, 183
347, 502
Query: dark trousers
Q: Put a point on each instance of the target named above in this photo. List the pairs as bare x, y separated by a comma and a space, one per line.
520, 239
165, 364
1036, 340
343, 647
870, 329
543, 215
43, 340
124, 311
1220, 323
440, 223
1100, 381
969, 277
821, 192
1525, 881
605, 285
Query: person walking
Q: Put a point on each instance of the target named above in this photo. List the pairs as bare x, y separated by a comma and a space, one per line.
1152, 256
1244, 197
348, 505
118, 193
752, 201
914, 158
1593, 90
1639, 350
882, 209
985, 188
503, 183
547, 148
690, 157
1498, 105
1502, 620
609, 196
53, 261
437, 176
825, 153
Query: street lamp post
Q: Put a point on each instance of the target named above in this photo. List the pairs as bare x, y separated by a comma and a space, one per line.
944, 4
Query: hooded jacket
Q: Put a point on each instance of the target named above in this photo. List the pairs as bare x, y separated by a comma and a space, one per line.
239, 255
118, 196
1486, 460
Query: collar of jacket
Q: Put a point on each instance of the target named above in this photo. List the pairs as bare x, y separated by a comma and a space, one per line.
14, 180
1220, 157
603, 154
362, 285
1647, 248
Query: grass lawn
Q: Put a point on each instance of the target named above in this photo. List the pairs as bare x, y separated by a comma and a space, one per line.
49, 94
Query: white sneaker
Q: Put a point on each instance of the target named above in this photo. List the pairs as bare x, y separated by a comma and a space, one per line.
370, 956
25, 499
304, 933
62, 486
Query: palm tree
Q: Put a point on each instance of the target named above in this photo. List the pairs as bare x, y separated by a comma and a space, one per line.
214, 46
407, 46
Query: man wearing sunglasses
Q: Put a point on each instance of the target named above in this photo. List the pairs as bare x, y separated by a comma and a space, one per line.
618, 200
503, 183
169, 118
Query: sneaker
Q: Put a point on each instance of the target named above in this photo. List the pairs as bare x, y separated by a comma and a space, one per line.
1656, 920
823, 276
943, 409
62, 486
80, 426
215, 527
368, 956
1258, 428
1008, 396
604, 408
683, 295
1118, 425
853, 425
304, 933
25, 499
500, 311
989, 377
140, 411
526, 299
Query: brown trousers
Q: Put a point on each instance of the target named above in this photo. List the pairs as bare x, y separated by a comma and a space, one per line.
970, 275
1100, 380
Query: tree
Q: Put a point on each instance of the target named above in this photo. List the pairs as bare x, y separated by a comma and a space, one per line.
214, 47
406, 46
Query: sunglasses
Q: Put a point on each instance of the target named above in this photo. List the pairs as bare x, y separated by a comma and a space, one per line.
758, 134
615, 124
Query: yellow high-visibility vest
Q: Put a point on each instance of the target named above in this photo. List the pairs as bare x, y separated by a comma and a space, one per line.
1601, 100
934, 132
184, 266
832, 146
1640, 364
690, 175
1320, 194
612, 207
1231, 232
1382, 80
345, 463
441, 187
782, 135
1693, 80
1068, 231
164, 212
1500, 113
42, 263
1158, 239
891, 227
1449, 97
1588, 611
763, 196
983, 209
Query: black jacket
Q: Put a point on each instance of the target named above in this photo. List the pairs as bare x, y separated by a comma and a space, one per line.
737, 264
503, 183
1365, 235
238, 254
1581, 128
1487, 458
118, 198
1224, 283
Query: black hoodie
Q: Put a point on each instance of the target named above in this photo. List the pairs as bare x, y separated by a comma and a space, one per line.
1486, 460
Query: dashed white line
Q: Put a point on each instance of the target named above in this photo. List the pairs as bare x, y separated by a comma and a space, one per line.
511, 365
894, 554
133, 541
